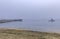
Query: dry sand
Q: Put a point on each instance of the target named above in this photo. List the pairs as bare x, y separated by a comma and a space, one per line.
26, 34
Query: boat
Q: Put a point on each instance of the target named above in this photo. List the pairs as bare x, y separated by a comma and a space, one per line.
51, 20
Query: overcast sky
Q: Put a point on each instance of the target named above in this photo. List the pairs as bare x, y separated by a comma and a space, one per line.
30, 9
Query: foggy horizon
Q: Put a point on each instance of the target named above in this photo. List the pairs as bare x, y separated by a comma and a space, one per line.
29, 9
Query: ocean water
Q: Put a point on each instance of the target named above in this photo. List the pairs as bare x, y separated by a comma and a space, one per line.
36, 25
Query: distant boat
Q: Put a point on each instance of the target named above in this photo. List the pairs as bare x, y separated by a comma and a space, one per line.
51, 20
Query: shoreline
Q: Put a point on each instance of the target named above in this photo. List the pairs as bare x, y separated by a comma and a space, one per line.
9, 33
29, 30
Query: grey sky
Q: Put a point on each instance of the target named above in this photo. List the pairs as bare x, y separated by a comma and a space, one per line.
29, 9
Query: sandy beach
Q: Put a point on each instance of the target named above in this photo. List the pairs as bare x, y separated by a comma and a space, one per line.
26, 34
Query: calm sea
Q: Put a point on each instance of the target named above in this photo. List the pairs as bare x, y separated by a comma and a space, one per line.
36, 25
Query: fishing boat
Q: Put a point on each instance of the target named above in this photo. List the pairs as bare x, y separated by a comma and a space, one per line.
51, 20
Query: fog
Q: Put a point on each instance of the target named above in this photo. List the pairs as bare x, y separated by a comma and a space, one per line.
29, 9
